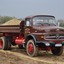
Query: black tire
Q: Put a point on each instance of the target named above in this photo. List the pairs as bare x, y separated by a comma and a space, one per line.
57, 51
35, 49
6, 44
20, 46
9, 40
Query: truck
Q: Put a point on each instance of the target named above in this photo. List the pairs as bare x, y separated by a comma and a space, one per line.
34, 34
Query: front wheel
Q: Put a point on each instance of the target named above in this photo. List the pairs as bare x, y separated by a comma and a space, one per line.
31, 49
57, 50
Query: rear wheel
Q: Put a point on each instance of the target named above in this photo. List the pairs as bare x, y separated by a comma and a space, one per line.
9, 40
57, 50
31, 49
5, 43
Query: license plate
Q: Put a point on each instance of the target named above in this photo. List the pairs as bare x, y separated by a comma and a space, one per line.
57, 45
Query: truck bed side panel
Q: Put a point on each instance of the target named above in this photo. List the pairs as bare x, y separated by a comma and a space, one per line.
10, 29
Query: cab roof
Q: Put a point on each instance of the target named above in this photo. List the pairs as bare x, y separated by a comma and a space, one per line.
40, 16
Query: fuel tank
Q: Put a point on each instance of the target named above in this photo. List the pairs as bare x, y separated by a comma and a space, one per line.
19, 40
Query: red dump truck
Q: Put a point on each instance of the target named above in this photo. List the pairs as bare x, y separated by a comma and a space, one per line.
34, 34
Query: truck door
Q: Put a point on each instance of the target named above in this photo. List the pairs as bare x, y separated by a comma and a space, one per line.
27, 27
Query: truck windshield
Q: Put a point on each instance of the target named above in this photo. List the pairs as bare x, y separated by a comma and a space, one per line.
43, 21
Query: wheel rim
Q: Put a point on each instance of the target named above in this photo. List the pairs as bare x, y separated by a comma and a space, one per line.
1, 44
30, 48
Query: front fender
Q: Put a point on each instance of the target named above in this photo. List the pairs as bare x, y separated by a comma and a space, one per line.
31, 36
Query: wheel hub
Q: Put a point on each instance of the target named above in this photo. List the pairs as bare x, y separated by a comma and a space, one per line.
30, 48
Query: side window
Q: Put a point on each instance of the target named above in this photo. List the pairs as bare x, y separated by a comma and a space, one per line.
27, 23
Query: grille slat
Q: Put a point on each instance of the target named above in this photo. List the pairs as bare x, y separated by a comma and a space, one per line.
54, 36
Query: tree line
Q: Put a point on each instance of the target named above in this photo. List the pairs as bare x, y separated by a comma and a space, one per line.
4, 19
61, 22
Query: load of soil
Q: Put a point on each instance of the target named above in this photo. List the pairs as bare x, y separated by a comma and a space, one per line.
12, 22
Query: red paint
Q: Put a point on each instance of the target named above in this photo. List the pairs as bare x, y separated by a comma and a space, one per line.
48, 48
7, 34
31, 48
40, 48
19, 40
1, 44
57, 42
44, 48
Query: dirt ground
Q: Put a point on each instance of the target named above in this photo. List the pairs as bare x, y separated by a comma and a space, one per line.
18, 56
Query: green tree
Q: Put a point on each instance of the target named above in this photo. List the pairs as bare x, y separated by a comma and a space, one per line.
4, 19
61, 22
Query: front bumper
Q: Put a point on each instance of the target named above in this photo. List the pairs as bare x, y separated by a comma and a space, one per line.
50, 43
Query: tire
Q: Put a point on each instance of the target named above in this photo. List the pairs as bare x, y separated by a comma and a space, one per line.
57, 51
20, 46
31, 49
9, 40
6, 44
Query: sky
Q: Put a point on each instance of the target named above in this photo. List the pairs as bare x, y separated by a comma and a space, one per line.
23, 8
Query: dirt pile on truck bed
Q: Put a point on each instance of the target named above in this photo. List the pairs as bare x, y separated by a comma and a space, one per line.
12, 22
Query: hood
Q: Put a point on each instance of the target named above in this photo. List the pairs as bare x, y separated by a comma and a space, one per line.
50, 28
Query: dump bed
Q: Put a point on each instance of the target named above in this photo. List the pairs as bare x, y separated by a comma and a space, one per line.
12, 26
10, 29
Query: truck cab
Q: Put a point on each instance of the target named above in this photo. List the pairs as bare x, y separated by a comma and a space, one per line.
37, 24
43, 33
